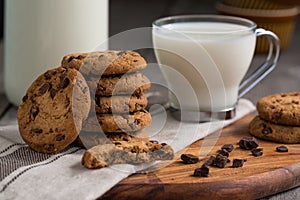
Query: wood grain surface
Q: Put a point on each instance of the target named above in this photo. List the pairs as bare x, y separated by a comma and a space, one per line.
259, 177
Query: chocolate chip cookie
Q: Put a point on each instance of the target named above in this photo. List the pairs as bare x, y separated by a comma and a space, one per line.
274, 132
91, 139
283, 108
134, 151
53, 110
105, 63
134, 83
118, 122
119, 104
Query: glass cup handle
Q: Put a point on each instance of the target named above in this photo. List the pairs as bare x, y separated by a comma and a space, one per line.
268, 66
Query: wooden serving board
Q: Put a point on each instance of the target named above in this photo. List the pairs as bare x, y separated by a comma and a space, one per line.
259, 177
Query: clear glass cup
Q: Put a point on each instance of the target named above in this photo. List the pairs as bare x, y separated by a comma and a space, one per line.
204, 59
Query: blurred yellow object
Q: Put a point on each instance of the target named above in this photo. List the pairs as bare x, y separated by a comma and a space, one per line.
279, 20
256, 4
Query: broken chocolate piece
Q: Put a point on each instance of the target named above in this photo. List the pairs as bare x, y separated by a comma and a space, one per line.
248, 143
210, 161
238, 163
202, 171
189, 158
282, 149
257, 152
228, 147
223, 152
220, 161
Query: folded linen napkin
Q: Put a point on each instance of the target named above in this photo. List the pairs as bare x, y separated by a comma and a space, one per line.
26, 174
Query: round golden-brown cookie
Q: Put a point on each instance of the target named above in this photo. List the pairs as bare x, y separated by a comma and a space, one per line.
283, 108
105, 63
118, 122
274, 132
119, 104
53, 110
134, 83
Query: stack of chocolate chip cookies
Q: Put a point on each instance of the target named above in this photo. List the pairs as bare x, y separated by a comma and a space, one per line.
278, 119
117, 90
118, 116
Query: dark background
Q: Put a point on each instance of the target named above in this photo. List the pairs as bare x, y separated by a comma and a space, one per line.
128, 14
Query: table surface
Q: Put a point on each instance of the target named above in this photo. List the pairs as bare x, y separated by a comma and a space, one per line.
284, 78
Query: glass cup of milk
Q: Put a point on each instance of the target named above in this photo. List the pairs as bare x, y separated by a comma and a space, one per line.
204, 59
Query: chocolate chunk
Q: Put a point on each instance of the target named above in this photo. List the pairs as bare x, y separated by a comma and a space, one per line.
44, 88
189, 158
282, 149
220, 161
52, 93
25, 98
37, 130
223, 152
34, 111
202, 171
228, 147
248, 143
238, 163
210, 161
60, 137
64, 82
47, 76
267, 130
257, 152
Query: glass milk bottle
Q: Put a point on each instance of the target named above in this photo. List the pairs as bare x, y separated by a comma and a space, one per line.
38, 33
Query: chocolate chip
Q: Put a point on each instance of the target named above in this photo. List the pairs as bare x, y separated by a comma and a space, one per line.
60, 137
267, 130
210, 161
295, 102
25, 98
248, 143
163, 144
257, 152
202, 171
238, 163
37, 130
44, 88
189, 158
220, 161
51, 130
70, 58
64, 82
117, 143
47, 76
223, 152
282, 149
52, 93
34, 111
228, 147
135, 60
